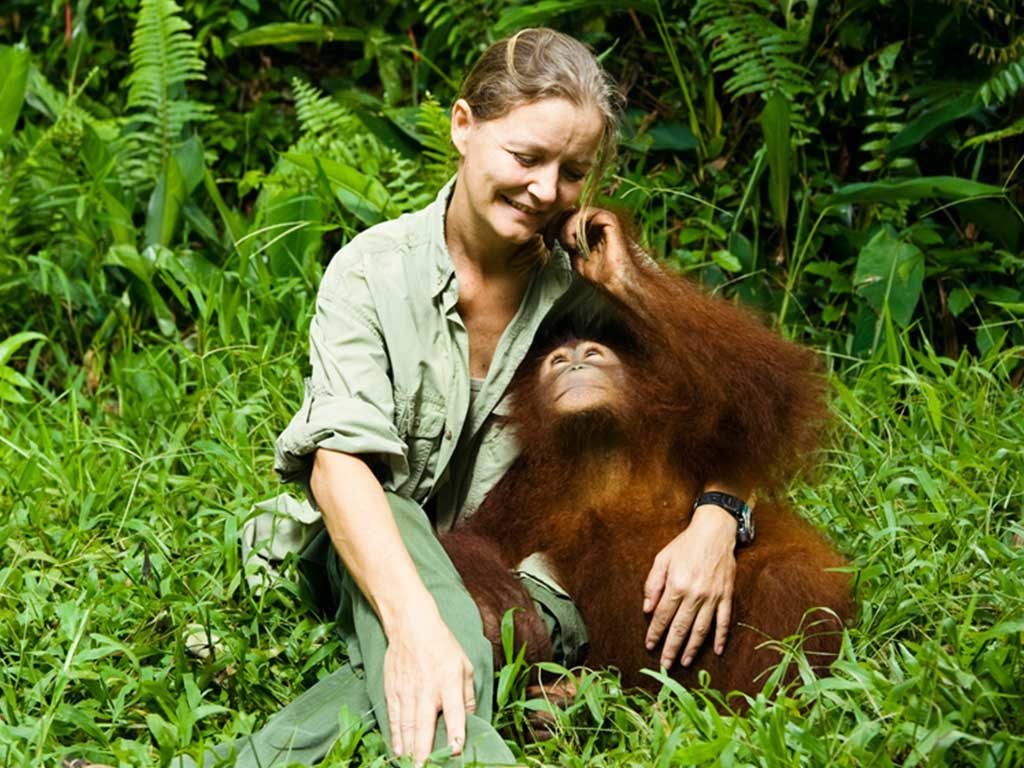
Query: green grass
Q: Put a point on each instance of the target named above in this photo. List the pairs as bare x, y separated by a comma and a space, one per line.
121, 498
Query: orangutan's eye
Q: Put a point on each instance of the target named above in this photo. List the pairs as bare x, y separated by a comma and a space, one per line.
559, 358
592, 352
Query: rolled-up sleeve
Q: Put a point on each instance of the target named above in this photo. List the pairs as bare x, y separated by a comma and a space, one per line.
348, 404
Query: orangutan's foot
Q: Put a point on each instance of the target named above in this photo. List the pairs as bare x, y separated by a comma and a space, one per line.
559, 695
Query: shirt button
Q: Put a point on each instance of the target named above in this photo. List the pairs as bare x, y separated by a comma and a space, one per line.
448, 435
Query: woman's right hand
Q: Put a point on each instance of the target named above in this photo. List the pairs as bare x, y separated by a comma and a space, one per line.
426, 672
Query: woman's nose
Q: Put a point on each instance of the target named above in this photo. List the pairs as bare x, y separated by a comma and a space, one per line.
543, 187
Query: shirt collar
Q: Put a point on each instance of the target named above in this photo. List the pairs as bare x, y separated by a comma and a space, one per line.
443, 267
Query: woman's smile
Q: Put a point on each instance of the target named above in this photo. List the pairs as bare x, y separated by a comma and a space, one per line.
521, 207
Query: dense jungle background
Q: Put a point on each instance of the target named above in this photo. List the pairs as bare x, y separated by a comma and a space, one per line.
173, 180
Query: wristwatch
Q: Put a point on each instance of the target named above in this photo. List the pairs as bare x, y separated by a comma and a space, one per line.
736, 507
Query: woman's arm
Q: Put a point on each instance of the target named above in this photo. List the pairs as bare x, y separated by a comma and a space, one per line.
425, 668
691, 581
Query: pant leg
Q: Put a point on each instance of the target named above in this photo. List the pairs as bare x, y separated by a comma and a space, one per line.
303, 731
483, 744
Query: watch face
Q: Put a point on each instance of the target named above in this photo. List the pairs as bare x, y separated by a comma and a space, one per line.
746, 531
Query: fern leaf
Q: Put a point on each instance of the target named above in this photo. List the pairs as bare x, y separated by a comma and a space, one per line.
1003, 85
1014, 129
434, 127
760, 56
164, 58
313, 11
318, 114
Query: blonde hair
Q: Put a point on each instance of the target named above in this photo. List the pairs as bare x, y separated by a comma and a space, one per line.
541, 63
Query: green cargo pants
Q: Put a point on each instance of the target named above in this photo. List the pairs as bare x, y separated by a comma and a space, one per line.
304, 731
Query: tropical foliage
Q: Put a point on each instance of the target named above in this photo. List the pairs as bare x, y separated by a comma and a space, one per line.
173, 178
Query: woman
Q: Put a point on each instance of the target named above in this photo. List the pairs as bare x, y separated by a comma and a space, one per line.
420, 324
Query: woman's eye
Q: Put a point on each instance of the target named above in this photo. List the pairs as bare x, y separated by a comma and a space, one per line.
526, 160
573, 175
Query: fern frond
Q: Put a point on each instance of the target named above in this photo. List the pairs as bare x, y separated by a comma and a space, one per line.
164, 58
1003, 85
331, 131
313, 11
434, 127
1015, 128
318, 114
466, 26
761, 56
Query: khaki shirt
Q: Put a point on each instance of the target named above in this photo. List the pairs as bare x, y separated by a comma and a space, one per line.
390, 366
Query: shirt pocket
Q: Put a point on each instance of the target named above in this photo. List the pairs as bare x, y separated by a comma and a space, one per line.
499, 448
426, 424
499, 439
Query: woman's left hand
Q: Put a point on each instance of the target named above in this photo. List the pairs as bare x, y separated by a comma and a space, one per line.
690, 586
609, 262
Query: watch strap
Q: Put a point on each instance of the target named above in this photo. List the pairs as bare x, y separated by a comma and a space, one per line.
736, 507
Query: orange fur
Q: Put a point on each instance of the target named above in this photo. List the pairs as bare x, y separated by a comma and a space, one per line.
711, 394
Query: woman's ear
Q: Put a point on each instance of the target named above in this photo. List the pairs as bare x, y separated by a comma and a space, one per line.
462, 125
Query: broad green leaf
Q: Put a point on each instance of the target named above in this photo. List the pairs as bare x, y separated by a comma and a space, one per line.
165, 204
10, 382
927, 123
672, 135
73, 715
540, 14
363, 195
775, 125
201, 223
887, 56
998, 220
14, 378
289, 231
988, 338
237, 19
1016, 307
741, 247
959, 299
287, 33
10, 395
164, 317
11, 344
13, 77
190, 162
383, 124
1004, 293
944, 187
128, 257
890, 273
1001, 629
700, 752
119, 218
727, 261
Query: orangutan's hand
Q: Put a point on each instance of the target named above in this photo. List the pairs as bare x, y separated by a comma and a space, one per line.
609, 262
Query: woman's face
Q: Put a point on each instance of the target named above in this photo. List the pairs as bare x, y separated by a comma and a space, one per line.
521, 170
